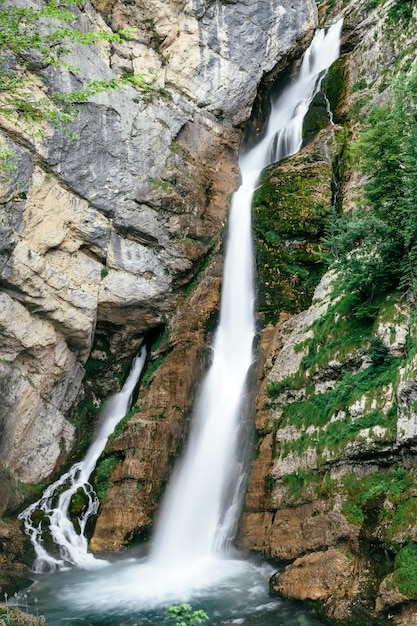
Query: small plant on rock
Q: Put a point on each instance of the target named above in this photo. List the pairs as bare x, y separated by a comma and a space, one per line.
185, 615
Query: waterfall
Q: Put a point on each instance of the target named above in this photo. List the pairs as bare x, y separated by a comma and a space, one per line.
55, 501
188, 554
189, 559
195, 515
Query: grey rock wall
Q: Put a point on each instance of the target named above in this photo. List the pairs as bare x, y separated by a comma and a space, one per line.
106, 229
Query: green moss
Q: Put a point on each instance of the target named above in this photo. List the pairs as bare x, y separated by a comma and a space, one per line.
290, 210
328, 437
176, 148
333, 86
353, 513
317, 117
338, 335
372, 4
367, 488
404, 518
31, 491
103, 473
295, 482
324, 421
357, 107
400, 11
361, 84
166, 185
79, 502
121, 424
300, 481
405, 574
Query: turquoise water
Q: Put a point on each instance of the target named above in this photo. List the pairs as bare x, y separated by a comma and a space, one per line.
131, 592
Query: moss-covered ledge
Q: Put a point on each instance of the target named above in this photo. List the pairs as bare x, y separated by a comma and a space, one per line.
291, 209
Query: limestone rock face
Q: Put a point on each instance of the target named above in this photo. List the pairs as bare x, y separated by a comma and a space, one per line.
200, 47
336, 438
151, 440
291, 532
39, 379
314, 577
323, 576
101, 232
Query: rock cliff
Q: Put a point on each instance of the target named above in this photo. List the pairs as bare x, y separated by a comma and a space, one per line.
115, 236
100, 234
110, 233
333, 481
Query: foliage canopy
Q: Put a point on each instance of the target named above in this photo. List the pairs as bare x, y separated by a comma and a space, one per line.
33, 38
375, 248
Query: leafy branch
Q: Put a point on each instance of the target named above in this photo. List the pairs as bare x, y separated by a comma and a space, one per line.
185, 615
40, 37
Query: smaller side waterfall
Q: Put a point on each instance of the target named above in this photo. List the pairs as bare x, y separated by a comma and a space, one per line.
55, 501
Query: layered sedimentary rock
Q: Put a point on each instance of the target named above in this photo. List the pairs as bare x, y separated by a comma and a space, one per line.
148, 445
333, 482
102, 231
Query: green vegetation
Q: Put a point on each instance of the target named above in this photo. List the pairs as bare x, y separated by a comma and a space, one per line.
375, 256
121, 425
405, 517
405, 574
30, 491
400, 11
382, 497
6, 165
376, 251
290, 210
324, 419
184, 615
301, 481
341, 404
33, 37
103, 473
378, 485
165, 185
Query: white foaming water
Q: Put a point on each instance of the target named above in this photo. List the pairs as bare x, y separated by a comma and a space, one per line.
188, 560
56, 499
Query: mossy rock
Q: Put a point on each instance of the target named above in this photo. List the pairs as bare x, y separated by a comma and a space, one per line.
404, 577
291, 208
317, 117
104, 471
79, 502
334, 87
327, 102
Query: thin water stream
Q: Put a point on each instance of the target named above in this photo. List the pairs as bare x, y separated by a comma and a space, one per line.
190, 558
55, 502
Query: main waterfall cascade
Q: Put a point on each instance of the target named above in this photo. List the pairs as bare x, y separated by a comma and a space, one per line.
188, 558
193, 521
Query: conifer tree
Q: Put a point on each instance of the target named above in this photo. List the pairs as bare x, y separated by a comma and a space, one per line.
375, 248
